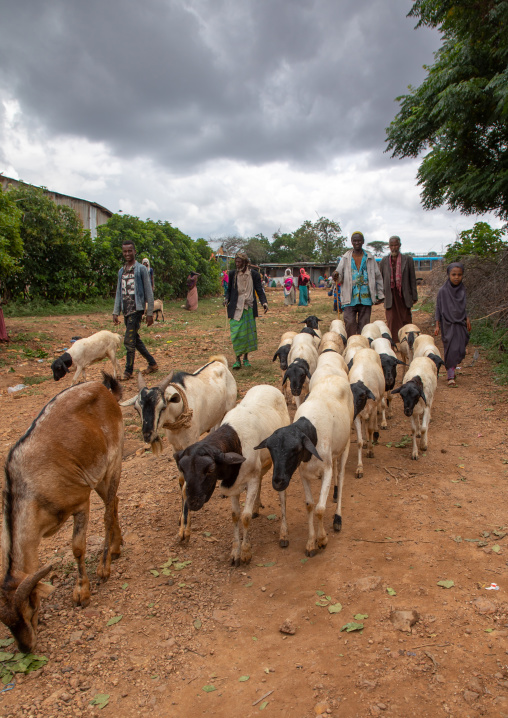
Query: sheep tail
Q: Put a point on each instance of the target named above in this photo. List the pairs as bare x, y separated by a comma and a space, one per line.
113, 385
219, 357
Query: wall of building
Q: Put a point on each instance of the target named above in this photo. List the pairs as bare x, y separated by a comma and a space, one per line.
92, 215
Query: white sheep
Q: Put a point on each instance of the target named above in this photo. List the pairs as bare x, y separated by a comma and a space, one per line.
227, 455
407, 336
302, 362
87, 351
368, 385
318, 442
330, 363
371, 331
424, 346
338, 326
330, 340
417, 392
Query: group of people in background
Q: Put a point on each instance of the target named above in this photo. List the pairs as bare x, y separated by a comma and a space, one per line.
359, 282
364, 283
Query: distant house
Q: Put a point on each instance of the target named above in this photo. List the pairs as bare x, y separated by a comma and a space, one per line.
92, 215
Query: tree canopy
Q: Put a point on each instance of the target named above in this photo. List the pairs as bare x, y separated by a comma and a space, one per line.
319, 241
11, 244
459, 114
378, 247
482, 240
46, 254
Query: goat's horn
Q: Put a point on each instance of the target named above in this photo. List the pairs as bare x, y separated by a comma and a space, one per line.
166, 381
183, 397
28, 584
141, 381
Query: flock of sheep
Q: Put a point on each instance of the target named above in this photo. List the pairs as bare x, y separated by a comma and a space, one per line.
75, 445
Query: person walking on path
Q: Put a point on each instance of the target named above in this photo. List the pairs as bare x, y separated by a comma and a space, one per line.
146, 263
289, 287
133, 292
192, 292
244, 283
399, 285
361, 285
4, 337
303, 288
225, 281
452, 320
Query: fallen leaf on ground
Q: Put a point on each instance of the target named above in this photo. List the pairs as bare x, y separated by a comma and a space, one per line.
352, 626
446, 584
114, 620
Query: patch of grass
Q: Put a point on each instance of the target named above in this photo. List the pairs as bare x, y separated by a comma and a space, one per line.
31, 380
41, 308
495, 341
38, 353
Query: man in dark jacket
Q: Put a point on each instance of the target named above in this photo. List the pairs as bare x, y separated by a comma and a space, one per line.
244, 283
133, 293
399, 282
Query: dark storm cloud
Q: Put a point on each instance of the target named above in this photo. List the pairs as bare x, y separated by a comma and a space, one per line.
186, 82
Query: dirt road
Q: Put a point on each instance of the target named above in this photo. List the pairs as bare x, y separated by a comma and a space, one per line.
198, 637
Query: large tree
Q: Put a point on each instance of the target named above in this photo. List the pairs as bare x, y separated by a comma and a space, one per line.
378, 247
11, 244
459, 114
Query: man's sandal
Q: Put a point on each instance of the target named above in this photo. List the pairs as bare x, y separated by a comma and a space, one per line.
452, 383
237, 365
246, 362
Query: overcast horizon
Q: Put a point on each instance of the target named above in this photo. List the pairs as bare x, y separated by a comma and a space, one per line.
223, 119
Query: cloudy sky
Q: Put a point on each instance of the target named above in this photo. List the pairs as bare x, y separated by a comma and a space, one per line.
221, 116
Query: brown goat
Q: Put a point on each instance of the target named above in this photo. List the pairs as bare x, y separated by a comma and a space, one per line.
73, 446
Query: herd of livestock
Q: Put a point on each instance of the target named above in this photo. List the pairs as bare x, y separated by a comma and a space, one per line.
75, 445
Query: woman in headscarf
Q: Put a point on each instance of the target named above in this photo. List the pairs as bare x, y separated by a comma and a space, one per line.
192, 292
452, 320
225, 281
303, 288
289, 287
244, 284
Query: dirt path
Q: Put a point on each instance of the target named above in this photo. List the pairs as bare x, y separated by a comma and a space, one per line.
407, 526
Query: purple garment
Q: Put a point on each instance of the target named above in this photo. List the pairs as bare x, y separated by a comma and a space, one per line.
451, 315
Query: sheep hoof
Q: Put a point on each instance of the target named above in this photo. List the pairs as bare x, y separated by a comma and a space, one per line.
359, 473
284, 543
235, 562
423, 447
255, 515
414, 457
370, 454
310, 554
418, 436
385, 427
335, 493
115, 556
337, 523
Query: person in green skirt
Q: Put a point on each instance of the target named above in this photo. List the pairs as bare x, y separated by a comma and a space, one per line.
243, 286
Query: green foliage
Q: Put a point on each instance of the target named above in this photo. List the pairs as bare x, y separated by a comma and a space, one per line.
11, 244
59, 261
172, 255
481, 240
458, 115
378, 247
495, 340
55, 261
319, 241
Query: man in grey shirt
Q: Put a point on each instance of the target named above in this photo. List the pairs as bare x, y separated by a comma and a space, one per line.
133, 293
361, 285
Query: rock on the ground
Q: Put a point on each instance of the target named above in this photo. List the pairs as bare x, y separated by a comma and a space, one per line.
403, 620
288, 627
